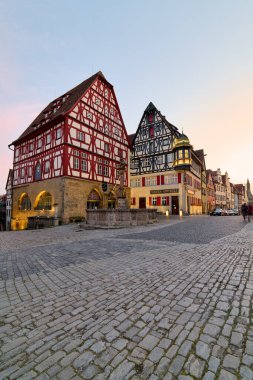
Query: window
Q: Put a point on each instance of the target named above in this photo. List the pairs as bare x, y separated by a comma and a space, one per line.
39, 143
25, 203
170, 157
100, 169
76, 163
58, 133
180, 154
24, 149
106, 147
151, 147
16, 152
154, 201
80, 136
44, 202
160, 159
97, 101
84, 155
146, 162
170, 179
84, 166
116, 131
29, 171
31, 147
153, 181
106, 111
48, 139
106, 171
106, 93
164, 201
22, 173
89, 116
47, 166
76, 152
106, 129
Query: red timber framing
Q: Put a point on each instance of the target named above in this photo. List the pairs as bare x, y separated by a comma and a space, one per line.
81, 134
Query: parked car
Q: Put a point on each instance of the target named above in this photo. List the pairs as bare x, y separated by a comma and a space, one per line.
236, 211
230, 212
217, 211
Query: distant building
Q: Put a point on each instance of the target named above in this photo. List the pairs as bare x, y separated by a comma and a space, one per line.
211, 203
220, 191
239, 195
2, 212
8, 189
67, 159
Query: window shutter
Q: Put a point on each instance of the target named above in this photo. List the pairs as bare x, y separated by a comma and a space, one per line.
158, 201
179, 177
162, 179
150, 201
167, 201
143, 181
158, 180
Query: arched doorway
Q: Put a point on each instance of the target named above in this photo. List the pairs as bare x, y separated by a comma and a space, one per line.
111, 200
93, 201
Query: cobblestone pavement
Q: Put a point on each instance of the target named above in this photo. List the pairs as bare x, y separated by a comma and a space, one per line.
113, 304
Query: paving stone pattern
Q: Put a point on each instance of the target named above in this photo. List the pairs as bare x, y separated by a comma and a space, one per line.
115, 305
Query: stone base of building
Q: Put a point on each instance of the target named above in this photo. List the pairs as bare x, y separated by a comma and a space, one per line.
121, 217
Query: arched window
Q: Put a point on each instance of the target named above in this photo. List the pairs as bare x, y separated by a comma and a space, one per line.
37, 172
44, 202
25, 203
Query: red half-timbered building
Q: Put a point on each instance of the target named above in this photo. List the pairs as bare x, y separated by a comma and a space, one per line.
67, 159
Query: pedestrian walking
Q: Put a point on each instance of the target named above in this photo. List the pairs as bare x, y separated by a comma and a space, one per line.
244, 211
250, 209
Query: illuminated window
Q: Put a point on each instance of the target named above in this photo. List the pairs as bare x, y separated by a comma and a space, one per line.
25, 203
45, 202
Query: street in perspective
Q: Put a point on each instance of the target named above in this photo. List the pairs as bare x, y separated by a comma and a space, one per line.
170, 300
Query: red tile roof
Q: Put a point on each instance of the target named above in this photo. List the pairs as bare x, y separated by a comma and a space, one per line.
61, 105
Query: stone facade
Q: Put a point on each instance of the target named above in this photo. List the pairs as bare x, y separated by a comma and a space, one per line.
69, 199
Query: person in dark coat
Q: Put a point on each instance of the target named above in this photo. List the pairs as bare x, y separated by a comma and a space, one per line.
244, 211
250, 209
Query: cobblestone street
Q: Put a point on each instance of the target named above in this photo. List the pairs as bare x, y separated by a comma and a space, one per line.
167, 301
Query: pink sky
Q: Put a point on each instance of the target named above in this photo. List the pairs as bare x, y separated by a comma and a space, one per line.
193, 59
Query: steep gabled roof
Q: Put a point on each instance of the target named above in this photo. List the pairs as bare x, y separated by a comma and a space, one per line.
9, 178
61, 105
131, 139
151, 108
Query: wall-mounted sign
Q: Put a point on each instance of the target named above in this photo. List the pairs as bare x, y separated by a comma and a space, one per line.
164, 191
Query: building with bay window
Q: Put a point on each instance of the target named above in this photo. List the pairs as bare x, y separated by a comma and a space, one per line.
165, 171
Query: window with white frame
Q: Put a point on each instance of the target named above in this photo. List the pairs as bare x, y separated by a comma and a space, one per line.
80, 136
47, 166
76, 163
164, 201
146, 161
48, 139
147, 181
22, 173
16, 152
31, 147
106, 147
84, 155
154, 201
84, 166
170, 179
106, 171
170, 157
153, 181
39, 143
76, 152
160, 159
100, 169
58, 133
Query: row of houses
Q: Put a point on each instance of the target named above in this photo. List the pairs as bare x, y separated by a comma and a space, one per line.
70, 157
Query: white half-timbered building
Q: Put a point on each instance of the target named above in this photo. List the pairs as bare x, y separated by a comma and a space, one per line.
67, 159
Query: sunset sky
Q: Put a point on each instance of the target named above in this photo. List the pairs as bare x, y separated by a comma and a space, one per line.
192, 58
